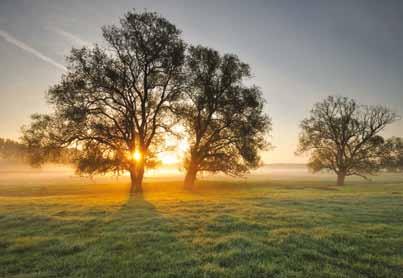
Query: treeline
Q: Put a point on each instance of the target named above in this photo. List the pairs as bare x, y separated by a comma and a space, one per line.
14, 151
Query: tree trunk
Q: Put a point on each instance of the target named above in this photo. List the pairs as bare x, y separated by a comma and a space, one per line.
136, 177
190, 177
340, 179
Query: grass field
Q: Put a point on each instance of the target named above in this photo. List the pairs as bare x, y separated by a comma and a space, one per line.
255, 228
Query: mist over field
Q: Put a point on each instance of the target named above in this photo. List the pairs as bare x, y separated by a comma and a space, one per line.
20, 171
12, 172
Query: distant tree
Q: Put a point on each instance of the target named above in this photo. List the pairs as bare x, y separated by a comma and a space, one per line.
113, 103
17, 151
393, 161
224, 119
12, 150
343, 136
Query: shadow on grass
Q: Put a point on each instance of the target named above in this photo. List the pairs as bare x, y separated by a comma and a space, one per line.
135, 241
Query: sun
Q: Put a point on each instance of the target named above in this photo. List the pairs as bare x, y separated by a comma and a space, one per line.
136, 155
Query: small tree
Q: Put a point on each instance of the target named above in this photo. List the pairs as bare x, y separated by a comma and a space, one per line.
393, 161
343, 137
223, 118
113, 103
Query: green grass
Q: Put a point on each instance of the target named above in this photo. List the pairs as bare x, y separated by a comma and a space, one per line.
259, 228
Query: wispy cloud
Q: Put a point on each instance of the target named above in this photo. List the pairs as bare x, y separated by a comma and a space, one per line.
74, 38
9, 38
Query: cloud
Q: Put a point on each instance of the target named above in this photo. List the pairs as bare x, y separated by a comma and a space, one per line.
9, 38
75, 39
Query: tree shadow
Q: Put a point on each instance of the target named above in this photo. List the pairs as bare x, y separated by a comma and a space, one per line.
138, 241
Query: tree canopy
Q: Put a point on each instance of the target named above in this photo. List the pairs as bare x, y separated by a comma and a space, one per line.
343, 136
224, 118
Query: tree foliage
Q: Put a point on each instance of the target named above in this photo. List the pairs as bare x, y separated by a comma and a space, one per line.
114, 100
224, 118
343, 136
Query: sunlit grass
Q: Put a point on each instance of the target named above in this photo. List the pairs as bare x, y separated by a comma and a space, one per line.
226, 228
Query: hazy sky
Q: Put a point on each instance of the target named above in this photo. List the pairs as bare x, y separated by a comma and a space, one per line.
299, 51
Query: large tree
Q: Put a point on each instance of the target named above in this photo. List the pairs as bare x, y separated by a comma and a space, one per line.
343, 136
113, 103
224, 118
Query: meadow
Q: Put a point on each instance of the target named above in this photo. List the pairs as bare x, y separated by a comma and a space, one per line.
263, 226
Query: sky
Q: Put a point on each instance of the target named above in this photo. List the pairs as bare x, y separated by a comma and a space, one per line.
299, 52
